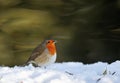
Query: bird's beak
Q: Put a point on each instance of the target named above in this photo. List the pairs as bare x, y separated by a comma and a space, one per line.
55, 41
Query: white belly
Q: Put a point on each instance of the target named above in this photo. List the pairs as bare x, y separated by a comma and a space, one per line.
50, 60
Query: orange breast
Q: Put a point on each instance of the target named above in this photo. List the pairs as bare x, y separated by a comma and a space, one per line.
51, 48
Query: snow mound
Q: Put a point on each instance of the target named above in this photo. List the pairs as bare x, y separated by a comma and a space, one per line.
67, 72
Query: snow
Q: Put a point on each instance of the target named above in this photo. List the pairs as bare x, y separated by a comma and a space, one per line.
66, 72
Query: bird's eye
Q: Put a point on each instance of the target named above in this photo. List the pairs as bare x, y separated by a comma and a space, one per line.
48, 42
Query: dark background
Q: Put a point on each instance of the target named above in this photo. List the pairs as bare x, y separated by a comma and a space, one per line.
87, 31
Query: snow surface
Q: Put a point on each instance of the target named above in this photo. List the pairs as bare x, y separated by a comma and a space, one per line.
67, 72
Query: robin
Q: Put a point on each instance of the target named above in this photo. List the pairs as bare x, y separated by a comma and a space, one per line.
44, 54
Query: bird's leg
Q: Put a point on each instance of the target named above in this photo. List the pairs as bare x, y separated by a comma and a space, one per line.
45, 67
35, 65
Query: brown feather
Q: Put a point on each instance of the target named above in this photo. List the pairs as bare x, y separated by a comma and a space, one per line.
37, 51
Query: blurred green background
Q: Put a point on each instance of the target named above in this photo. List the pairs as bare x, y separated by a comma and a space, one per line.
86, 30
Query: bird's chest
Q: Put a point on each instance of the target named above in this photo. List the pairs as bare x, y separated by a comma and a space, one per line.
46, 58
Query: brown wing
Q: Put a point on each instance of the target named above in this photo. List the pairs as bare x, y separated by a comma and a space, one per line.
37, 52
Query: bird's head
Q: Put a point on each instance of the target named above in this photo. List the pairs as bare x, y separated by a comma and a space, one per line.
50, 44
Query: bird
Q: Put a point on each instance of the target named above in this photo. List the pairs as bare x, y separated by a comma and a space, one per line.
44, 54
